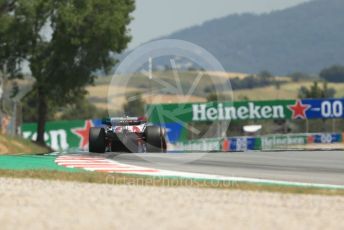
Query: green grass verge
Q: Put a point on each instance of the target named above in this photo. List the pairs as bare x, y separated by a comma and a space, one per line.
32, 162
121, 179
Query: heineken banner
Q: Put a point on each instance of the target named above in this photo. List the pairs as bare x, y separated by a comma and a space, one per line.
273, 142
282, 142
241, 144
268, 142
206, 144
325, 138
63, 135
247, 110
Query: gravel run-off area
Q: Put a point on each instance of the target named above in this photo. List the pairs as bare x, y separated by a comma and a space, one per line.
43, 204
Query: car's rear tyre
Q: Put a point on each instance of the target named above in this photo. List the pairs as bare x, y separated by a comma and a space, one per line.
155, 139
97, 140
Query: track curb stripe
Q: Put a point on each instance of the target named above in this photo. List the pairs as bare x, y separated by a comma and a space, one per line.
100, 164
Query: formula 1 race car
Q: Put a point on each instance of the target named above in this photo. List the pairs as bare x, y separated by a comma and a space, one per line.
127, 134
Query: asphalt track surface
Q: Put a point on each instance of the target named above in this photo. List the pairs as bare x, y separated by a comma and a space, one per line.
325, 167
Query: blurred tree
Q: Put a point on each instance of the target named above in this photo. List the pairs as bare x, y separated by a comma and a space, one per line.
250, 82
65, 42
314, 91
217, 97
333, 74
297, 76
267, 78
265, 75
243, 98
82, 109
14, 89
277, 85
11, 41
29, 108
11, 50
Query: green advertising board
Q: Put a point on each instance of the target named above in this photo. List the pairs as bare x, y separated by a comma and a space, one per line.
217, 111
206, 144
247, 110
62, 135
282, 141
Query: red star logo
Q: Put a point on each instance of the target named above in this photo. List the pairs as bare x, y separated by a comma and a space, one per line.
310, 139
299, 110
83, 133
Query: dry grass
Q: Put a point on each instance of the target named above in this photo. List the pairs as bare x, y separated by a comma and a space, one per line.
231, 75
265, 93
286, 91
98, 93
138, 83
122, 179
101, 91
17, 145
227, 74
159, 99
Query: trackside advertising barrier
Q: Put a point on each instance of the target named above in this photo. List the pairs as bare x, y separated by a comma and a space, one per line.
63, 135
240, 144
73, 135
247, 110
211, 144
275, 142
269, 142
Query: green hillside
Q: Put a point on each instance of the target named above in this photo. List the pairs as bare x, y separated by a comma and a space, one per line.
304, 38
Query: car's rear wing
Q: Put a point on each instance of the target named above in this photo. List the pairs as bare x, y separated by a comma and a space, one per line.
123, 120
